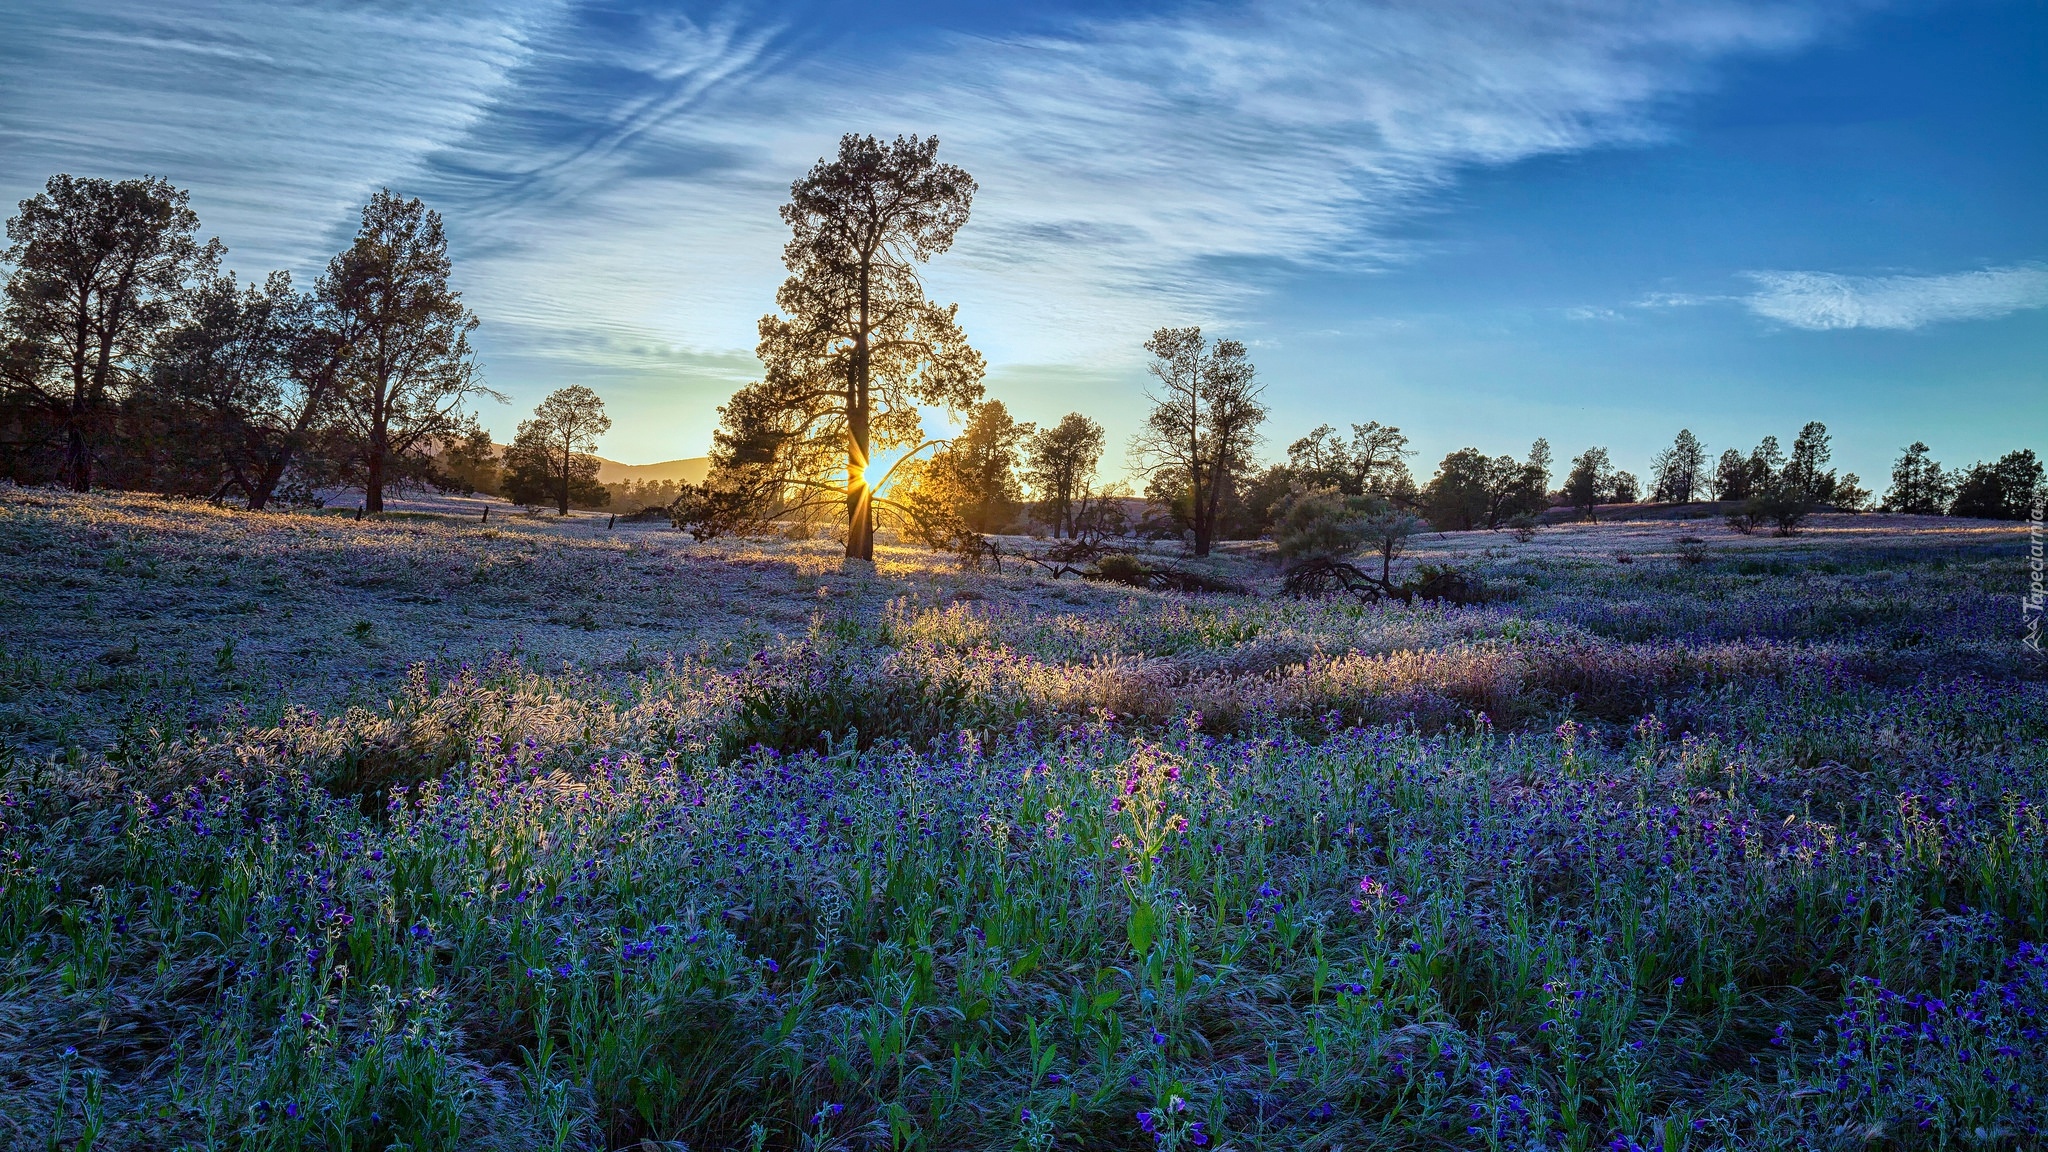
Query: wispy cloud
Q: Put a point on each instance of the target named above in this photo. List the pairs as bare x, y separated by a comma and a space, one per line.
611, 175
1133, 172
1823, 300
281, 119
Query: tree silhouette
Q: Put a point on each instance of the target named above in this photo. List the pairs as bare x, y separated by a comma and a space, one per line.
1060, 467
1471, 489
101, 267
1919, 485
1680, 470
246, 383
1589, 482
1204, 422
856, 346
406, 366
552, 453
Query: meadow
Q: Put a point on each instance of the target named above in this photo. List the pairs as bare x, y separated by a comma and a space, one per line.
413, 832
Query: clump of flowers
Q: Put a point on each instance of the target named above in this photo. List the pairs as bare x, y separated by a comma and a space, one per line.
1173, 1125
1143, 808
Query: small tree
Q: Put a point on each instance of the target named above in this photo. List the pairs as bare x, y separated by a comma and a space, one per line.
1625, 488
1919, 486
101, 268
1322, 524
1765, 461
1325, 524
1386, 532
1680, 470
971, 485
552, 453
406, 365
1850, 494
1203, 425
1060, 465
1589, 482
471, 464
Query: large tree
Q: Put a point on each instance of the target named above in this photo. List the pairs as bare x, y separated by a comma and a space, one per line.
101, 267
1680, 470
1060, 466
856, 347
245, 385
1919, 485
1204, 422
553, 452
406, 366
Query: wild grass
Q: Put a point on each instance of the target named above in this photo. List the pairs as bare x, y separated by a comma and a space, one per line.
987, 862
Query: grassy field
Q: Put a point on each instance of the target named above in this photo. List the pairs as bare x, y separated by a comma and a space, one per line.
325, 833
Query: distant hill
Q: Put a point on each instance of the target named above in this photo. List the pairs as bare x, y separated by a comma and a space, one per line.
691, 470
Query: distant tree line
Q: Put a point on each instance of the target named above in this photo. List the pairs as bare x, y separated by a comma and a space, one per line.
128, 358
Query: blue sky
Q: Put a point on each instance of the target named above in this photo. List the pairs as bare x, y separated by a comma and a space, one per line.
1483, 220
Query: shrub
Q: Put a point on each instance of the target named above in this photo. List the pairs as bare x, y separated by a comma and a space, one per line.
1323, 525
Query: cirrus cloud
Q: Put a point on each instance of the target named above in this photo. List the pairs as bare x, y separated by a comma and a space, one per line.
1824, 300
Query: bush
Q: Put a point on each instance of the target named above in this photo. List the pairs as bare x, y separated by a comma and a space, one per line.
1323, 525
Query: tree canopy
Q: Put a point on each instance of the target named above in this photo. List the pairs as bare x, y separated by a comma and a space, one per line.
1204, 422
855, 347
406, 367
100, 268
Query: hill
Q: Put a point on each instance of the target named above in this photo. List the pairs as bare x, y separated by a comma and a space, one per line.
690, 470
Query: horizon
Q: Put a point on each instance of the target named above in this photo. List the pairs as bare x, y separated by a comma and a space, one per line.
1482, 224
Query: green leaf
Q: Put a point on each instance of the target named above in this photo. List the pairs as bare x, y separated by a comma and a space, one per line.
1144, 919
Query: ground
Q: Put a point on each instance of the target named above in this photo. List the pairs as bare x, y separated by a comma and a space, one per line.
555, 833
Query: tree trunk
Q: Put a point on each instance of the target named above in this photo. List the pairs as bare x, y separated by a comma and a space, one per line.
860, 507
1204, 515
562, 503
77, 457
268, 480
373, 477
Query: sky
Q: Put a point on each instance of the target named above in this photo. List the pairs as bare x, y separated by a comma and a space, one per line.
1595, 221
